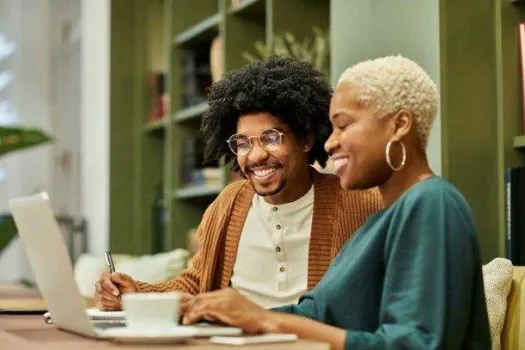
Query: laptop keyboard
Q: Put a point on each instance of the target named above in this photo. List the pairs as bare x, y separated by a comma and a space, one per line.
108, 324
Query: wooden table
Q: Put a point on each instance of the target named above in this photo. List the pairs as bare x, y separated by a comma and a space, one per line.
31, 332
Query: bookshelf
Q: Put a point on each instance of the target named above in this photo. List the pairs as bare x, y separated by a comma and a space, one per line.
519, 142
191, 113
208, 39
150, 170
155, 126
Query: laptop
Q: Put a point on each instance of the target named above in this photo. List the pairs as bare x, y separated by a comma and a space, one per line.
51, 264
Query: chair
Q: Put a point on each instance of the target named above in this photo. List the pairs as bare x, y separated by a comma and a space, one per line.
513, 333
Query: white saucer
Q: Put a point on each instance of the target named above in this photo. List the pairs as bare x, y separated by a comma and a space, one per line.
133, 335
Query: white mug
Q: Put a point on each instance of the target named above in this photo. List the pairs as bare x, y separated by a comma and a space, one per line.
151, 310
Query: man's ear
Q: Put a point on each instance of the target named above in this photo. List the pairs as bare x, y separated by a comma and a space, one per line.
403, 123
308, 143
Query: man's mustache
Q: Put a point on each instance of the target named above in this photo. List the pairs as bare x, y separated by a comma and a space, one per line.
250, 167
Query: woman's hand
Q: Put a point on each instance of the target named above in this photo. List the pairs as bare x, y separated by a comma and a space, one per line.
229, 307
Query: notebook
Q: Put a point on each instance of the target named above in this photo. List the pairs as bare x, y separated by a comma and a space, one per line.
22, 306
97, 315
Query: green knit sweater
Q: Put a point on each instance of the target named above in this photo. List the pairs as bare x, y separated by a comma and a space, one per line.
410, 278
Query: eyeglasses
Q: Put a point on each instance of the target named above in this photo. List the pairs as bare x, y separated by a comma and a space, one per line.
269, 139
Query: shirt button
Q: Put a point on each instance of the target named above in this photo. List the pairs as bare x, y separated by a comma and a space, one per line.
282, 269
277, 249
278, 227
275, 209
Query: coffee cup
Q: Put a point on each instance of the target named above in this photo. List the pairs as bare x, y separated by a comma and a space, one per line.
151, 310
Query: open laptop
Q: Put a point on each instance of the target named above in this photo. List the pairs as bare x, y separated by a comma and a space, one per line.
48, 256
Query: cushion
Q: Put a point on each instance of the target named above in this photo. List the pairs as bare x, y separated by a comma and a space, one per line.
153, 268
497, 278
145, 268
87, 271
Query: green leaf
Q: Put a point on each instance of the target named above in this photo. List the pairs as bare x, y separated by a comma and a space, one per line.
24, 282
248, 57
314, 49
15, 138
7, 230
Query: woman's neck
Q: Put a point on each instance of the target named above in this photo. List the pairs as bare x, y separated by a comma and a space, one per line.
413, 172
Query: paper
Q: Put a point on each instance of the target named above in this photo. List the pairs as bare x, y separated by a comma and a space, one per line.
96, 315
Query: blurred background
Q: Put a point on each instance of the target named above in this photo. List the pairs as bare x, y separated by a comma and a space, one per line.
100, 105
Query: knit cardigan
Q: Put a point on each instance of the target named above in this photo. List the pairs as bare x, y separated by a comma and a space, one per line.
337, 214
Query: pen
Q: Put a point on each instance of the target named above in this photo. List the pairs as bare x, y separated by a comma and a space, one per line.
109, 261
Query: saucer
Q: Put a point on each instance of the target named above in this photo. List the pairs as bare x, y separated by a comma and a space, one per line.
134, 335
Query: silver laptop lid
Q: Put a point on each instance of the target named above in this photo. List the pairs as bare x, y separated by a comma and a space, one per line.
49, 259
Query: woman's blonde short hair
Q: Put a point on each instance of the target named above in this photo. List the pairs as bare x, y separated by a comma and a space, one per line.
392, 83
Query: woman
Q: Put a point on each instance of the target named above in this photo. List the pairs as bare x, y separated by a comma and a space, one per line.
411, 275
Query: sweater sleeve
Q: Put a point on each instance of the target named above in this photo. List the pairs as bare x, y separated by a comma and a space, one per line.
305, 307
431, 260
188, 280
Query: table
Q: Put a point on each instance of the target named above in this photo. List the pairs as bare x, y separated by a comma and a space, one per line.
31, 332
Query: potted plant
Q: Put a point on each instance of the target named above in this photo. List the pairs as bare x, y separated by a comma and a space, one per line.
14, 139
314, 49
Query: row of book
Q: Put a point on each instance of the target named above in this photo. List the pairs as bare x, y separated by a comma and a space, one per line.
195, 78
194, 170
515, 215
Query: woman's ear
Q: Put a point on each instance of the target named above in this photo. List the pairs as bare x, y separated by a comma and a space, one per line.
403, 123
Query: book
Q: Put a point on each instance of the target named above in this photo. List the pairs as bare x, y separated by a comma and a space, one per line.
514, 218
95, 315
157, 89
521, 47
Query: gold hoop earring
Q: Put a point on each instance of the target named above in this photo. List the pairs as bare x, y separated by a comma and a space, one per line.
387, 156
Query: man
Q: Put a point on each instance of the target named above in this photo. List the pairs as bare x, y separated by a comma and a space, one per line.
272, 235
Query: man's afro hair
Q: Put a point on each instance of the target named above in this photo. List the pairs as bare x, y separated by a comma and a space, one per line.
293, 91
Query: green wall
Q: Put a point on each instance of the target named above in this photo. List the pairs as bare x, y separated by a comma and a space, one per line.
135, 156
362, 30
470, 134
481, 107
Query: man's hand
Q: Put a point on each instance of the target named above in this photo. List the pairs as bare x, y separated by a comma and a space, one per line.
230, 307
185, 301
110, 287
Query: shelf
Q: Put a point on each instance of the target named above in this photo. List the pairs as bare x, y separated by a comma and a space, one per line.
519, 142
202, 31
250, 8
157, 125
197, 191
192, 112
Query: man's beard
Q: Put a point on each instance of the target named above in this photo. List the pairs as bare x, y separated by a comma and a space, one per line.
273, 188
268, 191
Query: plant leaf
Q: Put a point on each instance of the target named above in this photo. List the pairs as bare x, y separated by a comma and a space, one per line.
7, 230
314, 49
15, 138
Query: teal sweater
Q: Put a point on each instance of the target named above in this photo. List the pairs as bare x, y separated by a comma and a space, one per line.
410, 278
